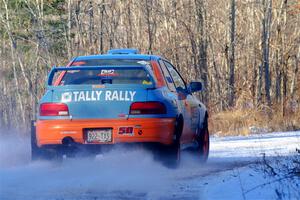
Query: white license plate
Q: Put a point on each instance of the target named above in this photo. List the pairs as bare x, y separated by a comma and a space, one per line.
99, 135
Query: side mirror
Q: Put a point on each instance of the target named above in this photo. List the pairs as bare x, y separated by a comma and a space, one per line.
195, 86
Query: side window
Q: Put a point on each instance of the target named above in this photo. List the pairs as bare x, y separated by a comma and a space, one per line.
167, 76
179, 83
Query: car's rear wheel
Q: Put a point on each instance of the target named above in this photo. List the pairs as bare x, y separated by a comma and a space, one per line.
202, 139
172, 155
203, 142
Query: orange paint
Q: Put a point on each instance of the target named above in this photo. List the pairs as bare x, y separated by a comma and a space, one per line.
153, 130
78, 63
158, 74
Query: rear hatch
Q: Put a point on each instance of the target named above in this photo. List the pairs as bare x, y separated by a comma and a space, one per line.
101, 92
107, 101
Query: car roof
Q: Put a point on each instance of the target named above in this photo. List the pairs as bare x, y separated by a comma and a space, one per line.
119, 56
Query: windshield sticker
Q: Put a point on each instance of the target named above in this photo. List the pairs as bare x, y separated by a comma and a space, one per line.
95, 95
145, 82
108, 72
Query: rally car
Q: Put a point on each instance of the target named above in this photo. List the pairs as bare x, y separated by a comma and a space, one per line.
119, 97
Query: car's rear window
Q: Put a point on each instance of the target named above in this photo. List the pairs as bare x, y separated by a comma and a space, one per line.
107, 75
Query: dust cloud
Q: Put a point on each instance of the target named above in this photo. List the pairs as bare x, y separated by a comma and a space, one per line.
117, 171
122, 173
14, 149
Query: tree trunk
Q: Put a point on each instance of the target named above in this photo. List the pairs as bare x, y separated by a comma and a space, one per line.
149, 5
129, 27
69, 40
202, 46
101, 9
231, 89
295, 72
266, 26
91, 27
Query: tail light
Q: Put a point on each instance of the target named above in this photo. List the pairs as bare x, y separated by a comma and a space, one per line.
54, 109
151, 107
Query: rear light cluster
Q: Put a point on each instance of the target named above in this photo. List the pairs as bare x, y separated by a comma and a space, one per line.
54, 109
150, 107
136, 108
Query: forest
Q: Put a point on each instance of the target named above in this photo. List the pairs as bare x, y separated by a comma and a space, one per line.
245, 52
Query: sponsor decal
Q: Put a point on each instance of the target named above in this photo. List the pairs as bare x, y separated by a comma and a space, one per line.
108, 72
95, 95
145, 82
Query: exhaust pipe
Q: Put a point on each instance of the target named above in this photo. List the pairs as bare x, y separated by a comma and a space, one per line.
69, 147
68, 141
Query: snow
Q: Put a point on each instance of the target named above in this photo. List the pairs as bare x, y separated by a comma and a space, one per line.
254, 146
232, 172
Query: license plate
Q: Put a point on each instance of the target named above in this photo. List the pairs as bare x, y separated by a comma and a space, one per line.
99, 135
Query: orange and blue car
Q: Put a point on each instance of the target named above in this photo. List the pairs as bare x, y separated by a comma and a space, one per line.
119, 97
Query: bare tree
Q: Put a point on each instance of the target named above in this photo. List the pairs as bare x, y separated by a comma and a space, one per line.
231, 89
202, 46
266, 29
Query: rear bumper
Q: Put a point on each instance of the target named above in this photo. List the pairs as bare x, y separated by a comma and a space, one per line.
159, 130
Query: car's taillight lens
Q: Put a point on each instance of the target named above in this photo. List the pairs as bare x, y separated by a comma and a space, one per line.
152, 107
54, 109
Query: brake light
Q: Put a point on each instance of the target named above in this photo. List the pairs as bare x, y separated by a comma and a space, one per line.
54, 109
151, 107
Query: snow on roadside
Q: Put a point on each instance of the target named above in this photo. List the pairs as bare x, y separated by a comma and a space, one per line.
251, 180
235, 169
253, 146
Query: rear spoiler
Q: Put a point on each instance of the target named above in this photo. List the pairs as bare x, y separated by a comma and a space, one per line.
65, 68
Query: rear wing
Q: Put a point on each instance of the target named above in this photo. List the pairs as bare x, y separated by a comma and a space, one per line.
64, 68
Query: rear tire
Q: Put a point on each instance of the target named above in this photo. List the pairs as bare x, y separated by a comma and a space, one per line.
171, 155
203, 142
202, 139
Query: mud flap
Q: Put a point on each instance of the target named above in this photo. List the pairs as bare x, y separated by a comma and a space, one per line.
38, 153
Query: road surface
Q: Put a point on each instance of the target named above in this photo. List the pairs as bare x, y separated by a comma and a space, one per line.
232, 172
